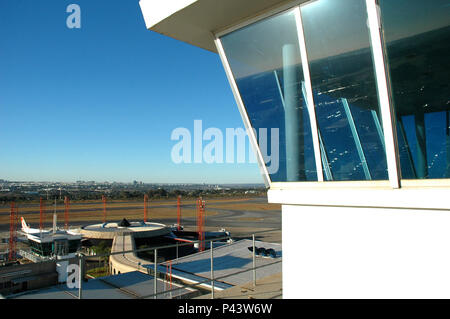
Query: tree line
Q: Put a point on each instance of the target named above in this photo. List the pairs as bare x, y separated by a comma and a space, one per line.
160, 193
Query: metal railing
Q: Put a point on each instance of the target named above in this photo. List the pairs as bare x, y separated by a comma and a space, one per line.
210, 281
33, 257
156, 274
253, 269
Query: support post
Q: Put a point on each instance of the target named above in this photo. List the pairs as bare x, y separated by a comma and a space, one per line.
309, 99
155, 287
80, 276
212, 269
254, 261
386, 106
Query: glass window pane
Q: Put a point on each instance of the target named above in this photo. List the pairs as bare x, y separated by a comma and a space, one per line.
266, 64
417, 36
344, 89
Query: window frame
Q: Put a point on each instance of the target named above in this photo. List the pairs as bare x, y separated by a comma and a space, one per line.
384, 93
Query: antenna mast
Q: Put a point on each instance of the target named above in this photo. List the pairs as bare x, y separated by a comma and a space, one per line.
104, 208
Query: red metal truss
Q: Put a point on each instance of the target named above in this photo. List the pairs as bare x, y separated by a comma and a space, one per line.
66, 212
145, 207
41, 213
201, 217
104, 208
12, 232
179, 212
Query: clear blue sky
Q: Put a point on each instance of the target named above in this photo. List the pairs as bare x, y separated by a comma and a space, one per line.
100, 102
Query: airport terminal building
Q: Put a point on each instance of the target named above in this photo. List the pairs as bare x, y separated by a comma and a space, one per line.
354, 97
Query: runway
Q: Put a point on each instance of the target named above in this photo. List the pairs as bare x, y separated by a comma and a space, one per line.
240, 216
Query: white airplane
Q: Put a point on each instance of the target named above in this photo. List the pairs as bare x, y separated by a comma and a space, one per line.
27, 230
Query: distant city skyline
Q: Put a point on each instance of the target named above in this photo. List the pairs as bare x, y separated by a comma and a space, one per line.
5, 181
100, 102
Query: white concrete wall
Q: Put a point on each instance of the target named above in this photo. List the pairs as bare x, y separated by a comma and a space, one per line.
341, 252
155, 11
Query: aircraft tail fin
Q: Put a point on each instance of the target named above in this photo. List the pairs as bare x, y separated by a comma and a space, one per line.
25, 227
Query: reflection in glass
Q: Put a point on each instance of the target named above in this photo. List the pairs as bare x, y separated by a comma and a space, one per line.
417, 36
344, 89
266, 64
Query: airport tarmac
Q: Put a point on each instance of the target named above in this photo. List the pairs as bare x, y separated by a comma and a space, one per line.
241, 217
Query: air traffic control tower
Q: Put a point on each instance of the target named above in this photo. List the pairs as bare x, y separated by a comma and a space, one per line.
352, 99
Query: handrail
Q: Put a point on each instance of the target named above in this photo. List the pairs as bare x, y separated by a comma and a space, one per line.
184, 285
209, 280
172, 245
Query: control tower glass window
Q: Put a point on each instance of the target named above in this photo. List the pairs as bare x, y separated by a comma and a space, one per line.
266, 64
417, 36
344, 89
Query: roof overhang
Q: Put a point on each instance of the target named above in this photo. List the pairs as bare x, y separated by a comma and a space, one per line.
196, 21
